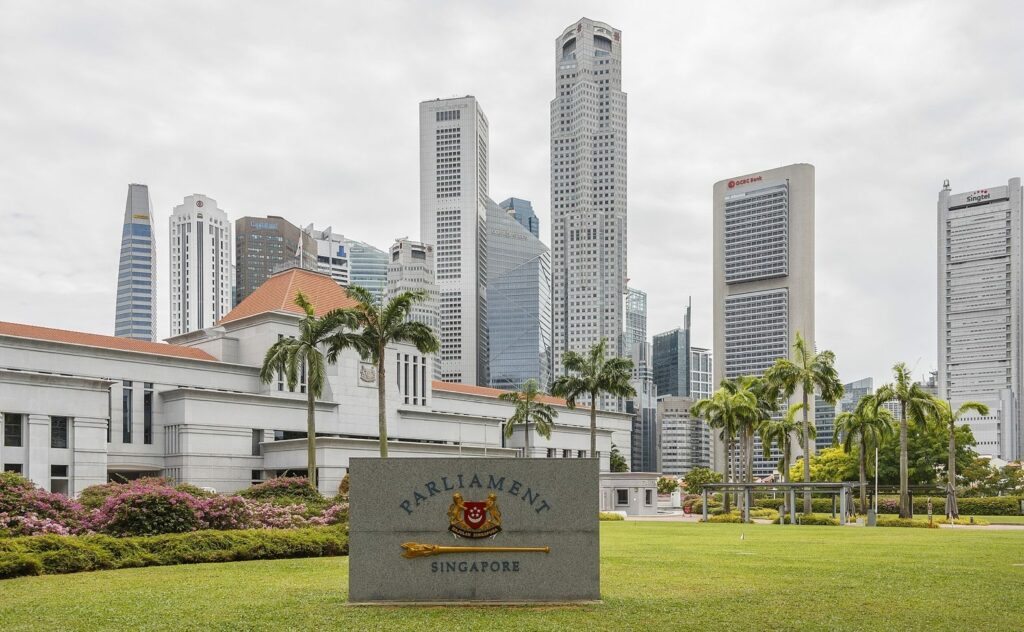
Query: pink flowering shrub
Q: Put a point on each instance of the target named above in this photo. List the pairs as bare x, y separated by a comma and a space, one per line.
94, 496
147, 510
26, 509
225, 512
31, 524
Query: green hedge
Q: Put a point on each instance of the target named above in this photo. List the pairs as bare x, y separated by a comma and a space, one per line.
913, 523
54, 554
980, 506
609, 515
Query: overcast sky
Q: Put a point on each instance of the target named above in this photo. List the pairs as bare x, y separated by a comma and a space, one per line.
309, 111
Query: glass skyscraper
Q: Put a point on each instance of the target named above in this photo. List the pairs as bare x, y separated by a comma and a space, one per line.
518, 303
523, 212
368, 267
135, 315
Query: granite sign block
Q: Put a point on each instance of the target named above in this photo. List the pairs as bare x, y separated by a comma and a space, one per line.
464, 530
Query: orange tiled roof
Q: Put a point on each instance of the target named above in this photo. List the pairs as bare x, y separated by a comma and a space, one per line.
277, 294
485, 391
107, 342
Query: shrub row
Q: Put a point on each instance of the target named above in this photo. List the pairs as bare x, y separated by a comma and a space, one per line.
980, 506
54, 554
610, 516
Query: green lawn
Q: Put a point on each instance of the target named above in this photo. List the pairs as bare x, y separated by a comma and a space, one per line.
654, 576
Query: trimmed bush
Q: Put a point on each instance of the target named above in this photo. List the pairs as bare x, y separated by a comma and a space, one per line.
980, 506
71, 554
725, 517
811, 520
761, 512
147, 511
609, 515
912, 523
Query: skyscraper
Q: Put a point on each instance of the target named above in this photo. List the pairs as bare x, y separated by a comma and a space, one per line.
672, 359
825, 414
588, 190
135, 314
263, 245
763, 275
701, 373
201, 270
636, 318
645, 438
454, 174
518, 303
979, 311
411, 269
368, 267
522, 210
685, 439
331, 255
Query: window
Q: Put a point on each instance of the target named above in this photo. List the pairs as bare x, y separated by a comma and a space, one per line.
126, 411
59, 471
257, 476
147, 413
621, 496
648, 497
58, 432
12, 467
12, 431
257, 437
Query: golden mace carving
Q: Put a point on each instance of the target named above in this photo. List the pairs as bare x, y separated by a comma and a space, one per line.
416, 549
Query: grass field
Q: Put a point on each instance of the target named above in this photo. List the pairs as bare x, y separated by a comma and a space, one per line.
654, 576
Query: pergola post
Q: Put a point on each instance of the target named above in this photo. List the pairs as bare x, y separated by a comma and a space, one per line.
842, 505
746, 503
704, 505
792, 506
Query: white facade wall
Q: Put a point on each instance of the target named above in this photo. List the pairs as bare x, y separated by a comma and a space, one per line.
200, 264
331, 254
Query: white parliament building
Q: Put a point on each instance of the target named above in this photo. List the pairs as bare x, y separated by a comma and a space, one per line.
80, 409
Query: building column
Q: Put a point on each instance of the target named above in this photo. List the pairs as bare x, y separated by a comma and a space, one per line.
37, 450
88, 453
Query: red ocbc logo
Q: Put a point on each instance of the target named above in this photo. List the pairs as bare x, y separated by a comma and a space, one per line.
735, 183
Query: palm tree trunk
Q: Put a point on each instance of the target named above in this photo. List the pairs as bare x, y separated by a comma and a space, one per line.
310, 434
750, 454
526, 426
728, 473
905, 509
863, 477
382, 419
593, 426
785, 478
807, 455
952, 511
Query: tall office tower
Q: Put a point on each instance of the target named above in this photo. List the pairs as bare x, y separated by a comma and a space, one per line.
263, 246
201, 270
331, 255
702, 383
518, 303
825, 414
763, 276
588, 191
368, 267
672, 359
522, 210
979, 315
645, 438
411, 269
135, 313
454, 172
636, 318
685, 440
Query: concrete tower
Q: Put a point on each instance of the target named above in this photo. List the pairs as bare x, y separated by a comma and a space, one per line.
135, 315
201, 270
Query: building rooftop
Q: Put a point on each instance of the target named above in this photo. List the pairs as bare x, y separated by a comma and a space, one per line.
278, 293
96, 340
469, 389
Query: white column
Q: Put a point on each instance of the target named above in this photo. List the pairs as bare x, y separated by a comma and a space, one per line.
37, 450
89, 453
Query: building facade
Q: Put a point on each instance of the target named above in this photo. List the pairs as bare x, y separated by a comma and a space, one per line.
412, 270
81, 409
702, 373
763, 276
263, 245
635, 331
685, 440
825, 414
646, 435
201, 268
522, 210
518, 303
979, 311
368, 267
588, 190
135, 312
454, 180
331, 254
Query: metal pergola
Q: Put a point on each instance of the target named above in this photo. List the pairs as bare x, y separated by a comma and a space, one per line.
843, 490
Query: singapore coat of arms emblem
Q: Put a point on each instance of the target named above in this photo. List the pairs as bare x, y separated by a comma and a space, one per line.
474, 519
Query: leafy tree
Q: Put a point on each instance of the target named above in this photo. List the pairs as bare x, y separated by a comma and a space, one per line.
947, 417
592, 376
529, 410
811, 373
617, 462
301, 358
380, 325
695, 480
831, 465
864, 429
927, 448
915, 405
667, 484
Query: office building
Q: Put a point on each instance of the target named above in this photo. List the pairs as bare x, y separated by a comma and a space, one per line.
636, 318
411, 269
645, 438
825, 414
588, 191
135, 313
331, 255
682, 370
763, 276
522, 210
518, 303
263, 246
685, 439
979, 311
454, 174
702, 383
201, 269
368, 267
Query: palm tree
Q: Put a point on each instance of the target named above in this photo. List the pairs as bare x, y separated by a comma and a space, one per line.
944, 414
810, 372
780, 432
765, 403
529, 410
300, 358
725, 411
866, 427
593, 375
379, 326
915, 403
